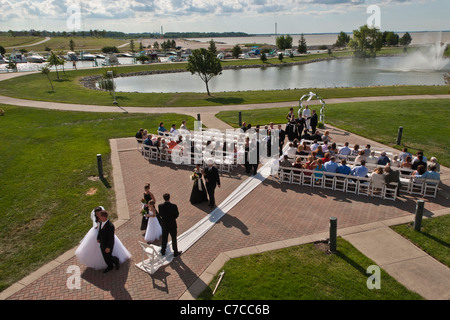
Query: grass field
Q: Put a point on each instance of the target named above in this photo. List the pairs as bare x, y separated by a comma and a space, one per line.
304, 273
433, 238
425, 122
17, 42
47, 166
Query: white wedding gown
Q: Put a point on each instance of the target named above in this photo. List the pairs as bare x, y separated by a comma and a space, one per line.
89, 252
154, 230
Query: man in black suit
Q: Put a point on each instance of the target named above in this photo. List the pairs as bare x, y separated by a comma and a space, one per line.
313, 122
168, 213
212, 179
281, 138
106, 239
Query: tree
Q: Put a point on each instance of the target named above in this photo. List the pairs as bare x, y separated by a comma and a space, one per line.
205, 64
405, 40
284, 42
212, 47
54, 61
390, 38
2, 50
132, 45
110, 49
107, 82
236, 51
72, 45
46, 71
366, 42
263, 57
447, 78
302, 47
280, 57
156, 45
342, 40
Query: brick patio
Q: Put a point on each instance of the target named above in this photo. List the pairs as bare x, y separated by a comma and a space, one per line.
270, 213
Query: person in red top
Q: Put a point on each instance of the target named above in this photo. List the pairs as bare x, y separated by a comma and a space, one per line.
326, 158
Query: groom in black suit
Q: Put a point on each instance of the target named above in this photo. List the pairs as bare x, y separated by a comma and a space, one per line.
212, 179
168, 213
106, 239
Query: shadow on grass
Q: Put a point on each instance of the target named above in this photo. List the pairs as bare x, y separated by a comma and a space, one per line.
223, 100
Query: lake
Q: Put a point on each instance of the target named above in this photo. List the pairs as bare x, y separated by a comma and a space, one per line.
334, 73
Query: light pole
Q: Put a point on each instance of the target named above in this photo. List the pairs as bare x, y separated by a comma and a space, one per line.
111, 75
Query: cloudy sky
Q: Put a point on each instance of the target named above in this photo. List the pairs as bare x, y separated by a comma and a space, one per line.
251, 16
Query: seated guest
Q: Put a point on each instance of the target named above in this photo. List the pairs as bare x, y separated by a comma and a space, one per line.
431, 174
285, 161
331, 166
161, 129
163, 145
377, 178
343, 168
325, 147
144, 134
419, 161
395, 162
309, 164
367, 150
360, 170
183, 126
172, 144
383, 159
355, 150
407, 163
317, 136
372, 158
174, 130
300, 151
345, 150
314, 146
420, 153
421, 169
326, 158
291, 150
434, 162
333, 150
298, 163
326, 136
391, 176
318, 167
361, 156
139, 133
148, 141
157, 143
244, 126
404, 154
306, 147
318, 153
306, 135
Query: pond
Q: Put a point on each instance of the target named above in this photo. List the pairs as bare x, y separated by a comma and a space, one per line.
324, 74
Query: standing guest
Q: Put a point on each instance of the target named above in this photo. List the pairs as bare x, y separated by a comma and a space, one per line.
106, 239
198, 194
161, 129
148, 196
244, 126
169, 213
212, 179
300, 126
281, 137
306, 114
290, 114
314, 121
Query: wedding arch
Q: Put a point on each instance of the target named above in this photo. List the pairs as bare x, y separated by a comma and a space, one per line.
308, 97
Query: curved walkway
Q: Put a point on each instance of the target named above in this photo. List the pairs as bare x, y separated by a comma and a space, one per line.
30, 45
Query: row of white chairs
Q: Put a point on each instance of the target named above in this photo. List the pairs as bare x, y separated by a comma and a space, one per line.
355, 185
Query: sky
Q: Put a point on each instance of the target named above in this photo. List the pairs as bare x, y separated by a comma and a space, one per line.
250, 16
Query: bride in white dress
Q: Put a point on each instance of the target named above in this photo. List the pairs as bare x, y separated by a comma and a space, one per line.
154, 230
89, 253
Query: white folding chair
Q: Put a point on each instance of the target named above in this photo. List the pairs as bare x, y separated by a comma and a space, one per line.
152, 254
154, 153
318, 179
307, 178
296, 176
430, 188
363, 186
329, 181
285, 174
390, 191
340, 182
351, 185
416, 186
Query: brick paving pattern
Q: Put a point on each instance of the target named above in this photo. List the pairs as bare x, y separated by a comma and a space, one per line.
271, 212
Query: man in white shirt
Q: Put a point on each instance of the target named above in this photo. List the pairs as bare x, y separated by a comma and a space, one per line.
174, 131
306, 114
314, 146
345, 150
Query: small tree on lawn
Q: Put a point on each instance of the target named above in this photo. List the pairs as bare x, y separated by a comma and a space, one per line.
46, 71
236, 51
204, 63
72, 45
263, 57
54, 61
107, 82
280, 57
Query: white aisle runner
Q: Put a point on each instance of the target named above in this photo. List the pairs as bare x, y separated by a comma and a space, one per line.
188, 238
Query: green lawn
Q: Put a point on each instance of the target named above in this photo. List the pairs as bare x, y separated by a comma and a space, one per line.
304, 273
425, 122
18, 42
433, 238
47, 162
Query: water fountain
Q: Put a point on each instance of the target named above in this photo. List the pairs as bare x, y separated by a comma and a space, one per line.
429, 58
